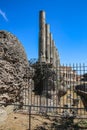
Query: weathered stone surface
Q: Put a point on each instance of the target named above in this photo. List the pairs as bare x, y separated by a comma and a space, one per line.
3, 115
42, 45
14, 68
47, 29
81, 90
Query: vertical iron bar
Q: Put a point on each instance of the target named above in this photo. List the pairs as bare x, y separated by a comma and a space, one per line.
84, 82
74, 80
80, 71
29, 117
47, 90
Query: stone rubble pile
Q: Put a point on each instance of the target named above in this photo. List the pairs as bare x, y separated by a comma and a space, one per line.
81, 90
14, 68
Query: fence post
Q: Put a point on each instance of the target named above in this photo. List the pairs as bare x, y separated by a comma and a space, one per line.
29, 117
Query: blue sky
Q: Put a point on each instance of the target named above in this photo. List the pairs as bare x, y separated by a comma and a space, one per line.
67, 18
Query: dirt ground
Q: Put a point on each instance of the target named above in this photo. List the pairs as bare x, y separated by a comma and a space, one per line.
20, 121
16, 121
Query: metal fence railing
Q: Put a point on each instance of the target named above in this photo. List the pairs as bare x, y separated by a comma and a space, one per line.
54, 93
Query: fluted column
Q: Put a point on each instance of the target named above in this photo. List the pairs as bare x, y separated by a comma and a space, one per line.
42, 45
57, 59
51, 51
47, 27
54, 57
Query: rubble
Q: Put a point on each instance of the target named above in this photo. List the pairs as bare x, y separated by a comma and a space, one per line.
81, 90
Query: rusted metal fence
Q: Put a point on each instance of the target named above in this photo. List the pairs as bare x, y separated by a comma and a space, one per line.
62, 91
62, 95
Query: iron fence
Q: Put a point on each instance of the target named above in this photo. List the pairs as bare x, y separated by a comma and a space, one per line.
54, 95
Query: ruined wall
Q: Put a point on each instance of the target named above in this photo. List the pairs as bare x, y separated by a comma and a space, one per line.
14, 68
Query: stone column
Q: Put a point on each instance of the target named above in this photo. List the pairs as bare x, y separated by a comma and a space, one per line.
51, 51
54, 56
57, 64
47, 27
42, 46
57, 57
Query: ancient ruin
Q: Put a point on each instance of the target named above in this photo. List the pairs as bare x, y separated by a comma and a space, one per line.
14, 68
44, 87
47, 77
47, 49
16, 74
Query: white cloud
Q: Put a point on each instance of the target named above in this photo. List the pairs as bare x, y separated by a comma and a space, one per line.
3, 15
